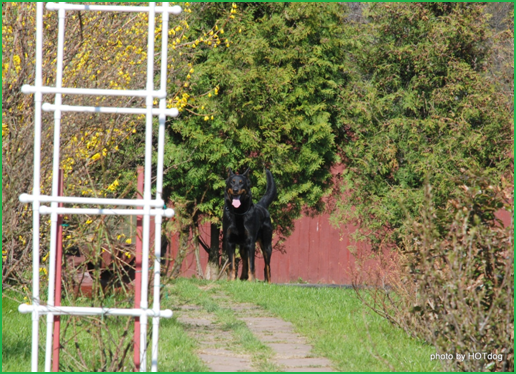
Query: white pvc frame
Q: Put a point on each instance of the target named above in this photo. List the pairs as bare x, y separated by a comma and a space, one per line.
147, 202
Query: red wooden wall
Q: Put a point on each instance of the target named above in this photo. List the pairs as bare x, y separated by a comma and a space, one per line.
316, 252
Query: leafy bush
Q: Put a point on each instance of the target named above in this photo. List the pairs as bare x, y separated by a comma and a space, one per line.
99, 156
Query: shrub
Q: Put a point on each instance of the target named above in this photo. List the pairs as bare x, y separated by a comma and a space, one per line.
455, 281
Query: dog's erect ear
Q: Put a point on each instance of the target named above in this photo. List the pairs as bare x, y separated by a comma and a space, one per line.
246, 173
230, 172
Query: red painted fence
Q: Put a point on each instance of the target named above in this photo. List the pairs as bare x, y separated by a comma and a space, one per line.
316, 252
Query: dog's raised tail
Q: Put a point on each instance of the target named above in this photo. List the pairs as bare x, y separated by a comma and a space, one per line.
271, 193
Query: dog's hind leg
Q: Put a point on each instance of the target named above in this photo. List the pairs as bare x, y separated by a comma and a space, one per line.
267, 259
266, 247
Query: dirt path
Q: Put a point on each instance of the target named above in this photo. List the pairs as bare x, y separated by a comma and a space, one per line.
285, 350
216, 345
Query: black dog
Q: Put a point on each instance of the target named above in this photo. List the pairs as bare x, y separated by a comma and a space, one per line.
244, 224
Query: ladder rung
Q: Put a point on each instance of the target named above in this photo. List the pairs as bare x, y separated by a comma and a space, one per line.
172, 112
169, 213
176, 9
88, 311
26, 198
26, 88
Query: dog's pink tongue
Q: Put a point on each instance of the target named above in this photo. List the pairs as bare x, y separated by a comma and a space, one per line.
236, 203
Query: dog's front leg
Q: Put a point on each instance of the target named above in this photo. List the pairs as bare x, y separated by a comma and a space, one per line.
250, 247
232, 266
230, 250
245, 264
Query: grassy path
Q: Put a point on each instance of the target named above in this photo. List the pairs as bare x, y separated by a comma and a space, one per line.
333, 321
241, 336
252, 322
216, 345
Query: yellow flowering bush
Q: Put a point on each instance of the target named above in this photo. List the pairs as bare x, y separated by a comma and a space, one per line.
99, 153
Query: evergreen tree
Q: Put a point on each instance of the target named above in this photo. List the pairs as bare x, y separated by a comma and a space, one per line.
275, 104
425, 111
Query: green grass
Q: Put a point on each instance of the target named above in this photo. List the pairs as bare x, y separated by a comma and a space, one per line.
339, 327
16, 338
176, 349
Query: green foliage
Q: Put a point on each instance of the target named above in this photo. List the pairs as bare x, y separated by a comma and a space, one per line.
275, 105
424, 109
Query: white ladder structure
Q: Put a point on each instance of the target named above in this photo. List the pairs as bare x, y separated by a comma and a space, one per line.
151, 207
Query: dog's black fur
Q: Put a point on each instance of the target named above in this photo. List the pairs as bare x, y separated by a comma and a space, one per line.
245, 223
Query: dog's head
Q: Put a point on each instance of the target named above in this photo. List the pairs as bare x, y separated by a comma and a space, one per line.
238, 188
